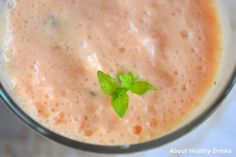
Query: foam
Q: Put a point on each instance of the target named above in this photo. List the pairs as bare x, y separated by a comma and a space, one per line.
57, 52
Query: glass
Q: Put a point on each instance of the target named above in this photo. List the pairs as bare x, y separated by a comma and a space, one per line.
225, 81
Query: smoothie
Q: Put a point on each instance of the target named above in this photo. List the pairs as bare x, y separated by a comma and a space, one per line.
58, 46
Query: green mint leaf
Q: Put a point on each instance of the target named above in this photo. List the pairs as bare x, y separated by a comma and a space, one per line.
120, 101
126, 79
118, 90
108, 84
141, 87
135, 77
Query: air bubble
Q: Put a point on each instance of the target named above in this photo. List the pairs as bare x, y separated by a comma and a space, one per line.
76, 119
184, 87
85, 118
53, 109
153, 122
193, 50
176, 73
138, 118
89, 37
95, 84
171, 112
199, 38
142, 21
117, 64
147, 12
184, 34
86, 80
112, 141
111, 70
122, 49
200, 59
200, 68
61, 118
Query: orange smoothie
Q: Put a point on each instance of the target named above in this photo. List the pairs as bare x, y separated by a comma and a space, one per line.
58, 46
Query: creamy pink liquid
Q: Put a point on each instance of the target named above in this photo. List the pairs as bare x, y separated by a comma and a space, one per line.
59, 45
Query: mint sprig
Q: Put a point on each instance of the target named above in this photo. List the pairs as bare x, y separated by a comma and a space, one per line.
118, 88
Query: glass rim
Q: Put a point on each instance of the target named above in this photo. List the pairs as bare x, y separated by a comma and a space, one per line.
119, 149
